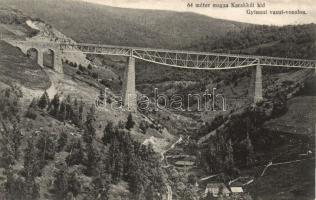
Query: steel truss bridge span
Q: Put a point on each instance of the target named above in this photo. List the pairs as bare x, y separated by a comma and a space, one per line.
188, 59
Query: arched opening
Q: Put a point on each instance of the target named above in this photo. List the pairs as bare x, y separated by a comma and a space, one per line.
48, 58
32, 53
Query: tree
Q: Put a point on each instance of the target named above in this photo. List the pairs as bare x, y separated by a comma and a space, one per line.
108, 133
31, 188
143, 126
62, 111
93, 157
62, 141
250, 156
115, 163
76, 113
10, 103
7, 149
61, 184
7, 158
43, 101
89, 132
20, 188
14, 186
31, 168
46, 148
54, 106
81, 107
230, 154
30, 113
74, 185
76, 154
100, 186
130, 123
16, 139
192, 179
68, 107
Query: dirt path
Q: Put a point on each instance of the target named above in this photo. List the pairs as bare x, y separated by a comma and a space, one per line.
170, 148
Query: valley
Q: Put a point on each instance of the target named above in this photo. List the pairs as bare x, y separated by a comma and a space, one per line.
57, 143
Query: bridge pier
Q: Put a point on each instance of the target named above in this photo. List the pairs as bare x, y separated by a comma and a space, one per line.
40, 59
57, 64
129, 87
258, 84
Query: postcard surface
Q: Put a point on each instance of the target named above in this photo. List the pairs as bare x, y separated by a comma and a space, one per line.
157, 99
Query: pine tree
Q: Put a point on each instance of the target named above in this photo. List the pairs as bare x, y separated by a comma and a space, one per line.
43, 101
230, 154
62, 112
74, 185
16, 139
31, 188
130, 123
69, 109
62, 141
33, 103
7, 158
75, 116
249, 146
89, 132
54, 106
115, 163
81, 107
46, 149
6, 146
31, 170
108, 133
30, 113
14, 186
93, 158
76, 154
61, 186
30, 159
143, 127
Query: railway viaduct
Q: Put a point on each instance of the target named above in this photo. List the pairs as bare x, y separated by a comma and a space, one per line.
173, 58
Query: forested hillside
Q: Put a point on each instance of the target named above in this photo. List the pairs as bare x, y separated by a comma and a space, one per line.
293, 41
86, 22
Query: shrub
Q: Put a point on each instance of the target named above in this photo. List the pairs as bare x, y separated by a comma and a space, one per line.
95, 75
81, 68
31, 113
143, 126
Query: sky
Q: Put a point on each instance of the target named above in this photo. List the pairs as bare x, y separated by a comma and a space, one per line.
237, 14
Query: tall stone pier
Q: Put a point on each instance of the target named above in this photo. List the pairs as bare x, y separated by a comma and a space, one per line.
57, 63
129, 88
40, 58
258, 84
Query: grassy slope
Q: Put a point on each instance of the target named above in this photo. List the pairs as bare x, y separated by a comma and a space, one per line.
15, 67
290, 182
301, 116
94, 23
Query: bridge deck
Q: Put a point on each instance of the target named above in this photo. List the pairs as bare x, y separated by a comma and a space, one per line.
179, 58
189, 59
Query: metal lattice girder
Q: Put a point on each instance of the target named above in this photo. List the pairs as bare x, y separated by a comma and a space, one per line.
186, 59
177, 58
287, 62
96, 49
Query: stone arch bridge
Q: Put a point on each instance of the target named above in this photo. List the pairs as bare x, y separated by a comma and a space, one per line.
172, 58
40, 48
